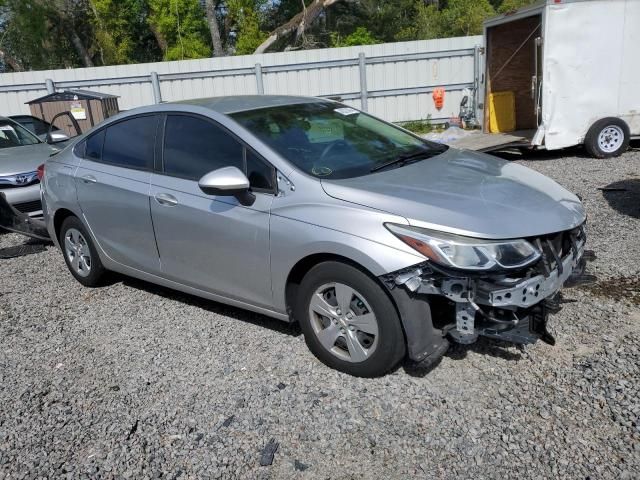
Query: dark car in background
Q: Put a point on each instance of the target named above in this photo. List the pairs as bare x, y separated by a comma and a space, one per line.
39, 127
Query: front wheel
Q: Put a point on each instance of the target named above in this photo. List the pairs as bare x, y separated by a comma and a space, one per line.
348, 320
607, 138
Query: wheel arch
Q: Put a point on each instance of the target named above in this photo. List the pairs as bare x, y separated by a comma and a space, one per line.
59, 217
423, 341
305, 264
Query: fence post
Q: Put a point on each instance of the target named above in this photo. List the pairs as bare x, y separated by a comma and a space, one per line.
155, 83
259, 84
51, 88
476, 80
364, 94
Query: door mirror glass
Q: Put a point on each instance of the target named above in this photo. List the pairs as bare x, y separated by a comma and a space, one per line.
227, 181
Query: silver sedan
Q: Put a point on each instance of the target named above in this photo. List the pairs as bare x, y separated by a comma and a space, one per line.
383, 246
21, 152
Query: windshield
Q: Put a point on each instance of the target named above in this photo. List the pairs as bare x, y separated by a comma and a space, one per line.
330, 140
14, 135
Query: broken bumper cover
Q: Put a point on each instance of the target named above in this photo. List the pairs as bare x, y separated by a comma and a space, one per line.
511, 306
18, 222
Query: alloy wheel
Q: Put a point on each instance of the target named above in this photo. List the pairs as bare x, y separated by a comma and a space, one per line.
77, 252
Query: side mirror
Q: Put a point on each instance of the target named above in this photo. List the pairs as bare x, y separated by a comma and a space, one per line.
56, 137
464, 101
227, 181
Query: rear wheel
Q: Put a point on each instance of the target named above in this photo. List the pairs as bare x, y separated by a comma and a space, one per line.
80, 254
348, 320
607, 138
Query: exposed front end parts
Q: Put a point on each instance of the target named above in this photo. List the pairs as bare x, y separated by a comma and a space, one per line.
511, 306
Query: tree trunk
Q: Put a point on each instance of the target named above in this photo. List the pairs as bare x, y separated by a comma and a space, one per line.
160, 40
79, 46
212, 20
297, 24
11, 61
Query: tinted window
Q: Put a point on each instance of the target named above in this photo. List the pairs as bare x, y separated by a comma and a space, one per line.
259, 173
80, 148
194, 147
94, 146
34, 125
130, 143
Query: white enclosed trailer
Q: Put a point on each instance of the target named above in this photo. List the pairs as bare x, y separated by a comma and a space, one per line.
572, 68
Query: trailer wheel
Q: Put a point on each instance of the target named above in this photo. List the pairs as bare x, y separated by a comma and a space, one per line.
607, 138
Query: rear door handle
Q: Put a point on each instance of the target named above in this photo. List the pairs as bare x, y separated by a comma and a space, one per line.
89, 179
166, 199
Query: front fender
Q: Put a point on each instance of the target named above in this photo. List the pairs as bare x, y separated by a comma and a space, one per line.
293, 240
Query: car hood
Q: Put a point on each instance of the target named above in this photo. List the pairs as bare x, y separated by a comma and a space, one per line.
467, 193
24, 159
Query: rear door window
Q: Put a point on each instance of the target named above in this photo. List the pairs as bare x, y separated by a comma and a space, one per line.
130, 143
194, 147
93, 150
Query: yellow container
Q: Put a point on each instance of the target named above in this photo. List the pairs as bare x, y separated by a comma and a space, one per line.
502, 112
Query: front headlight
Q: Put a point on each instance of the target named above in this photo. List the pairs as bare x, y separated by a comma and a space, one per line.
466, 253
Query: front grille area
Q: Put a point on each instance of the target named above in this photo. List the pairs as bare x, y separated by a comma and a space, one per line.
28, 207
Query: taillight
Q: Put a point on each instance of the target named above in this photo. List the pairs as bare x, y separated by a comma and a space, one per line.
40, 172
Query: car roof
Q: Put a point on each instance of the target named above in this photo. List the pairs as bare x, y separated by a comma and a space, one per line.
240, 103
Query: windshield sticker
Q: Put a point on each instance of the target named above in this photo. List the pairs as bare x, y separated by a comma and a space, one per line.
321, 171
346, 111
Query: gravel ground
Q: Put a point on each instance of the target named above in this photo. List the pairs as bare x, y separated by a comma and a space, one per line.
134, 381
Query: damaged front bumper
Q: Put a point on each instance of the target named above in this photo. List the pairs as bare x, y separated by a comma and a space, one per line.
22, 223
511, 306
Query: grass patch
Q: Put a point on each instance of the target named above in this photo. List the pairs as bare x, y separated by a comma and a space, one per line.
418, 126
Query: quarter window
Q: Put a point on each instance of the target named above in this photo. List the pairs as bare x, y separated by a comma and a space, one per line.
194, 147
130, 143
80, 149
260, 174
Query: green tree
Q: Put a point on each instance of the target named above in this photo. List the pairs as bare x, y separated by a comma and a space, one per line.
245, 22
41, 34
120, 33
465, 17
180, 28
361, 36
511, 5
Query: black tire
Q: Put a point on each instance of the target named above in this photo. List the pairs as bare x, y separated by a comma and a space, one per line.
390, 347
620, 135
97, 273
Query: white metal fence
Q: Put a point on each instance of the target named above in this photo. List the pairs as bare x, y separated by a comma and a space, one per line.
393, 81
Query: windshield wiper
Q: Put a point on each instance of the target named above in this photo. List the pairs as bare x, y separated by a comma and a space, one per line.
404, 159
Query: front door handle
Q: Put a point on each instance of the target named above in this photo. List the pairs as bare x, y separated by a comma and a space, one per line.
166, 199
89, 179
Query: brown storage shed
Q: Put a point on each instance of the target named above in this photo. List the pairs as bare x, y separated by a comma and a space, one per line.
88, 108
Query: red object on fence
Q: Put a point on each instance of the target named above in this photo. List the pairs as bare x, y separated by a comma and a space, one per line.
438, 97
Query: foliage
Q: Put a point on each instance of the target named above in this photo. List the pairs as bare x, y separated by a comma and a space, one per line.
47, 34
245, 16
418, 126
180, 24
361, 36
511, 5
120, 33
